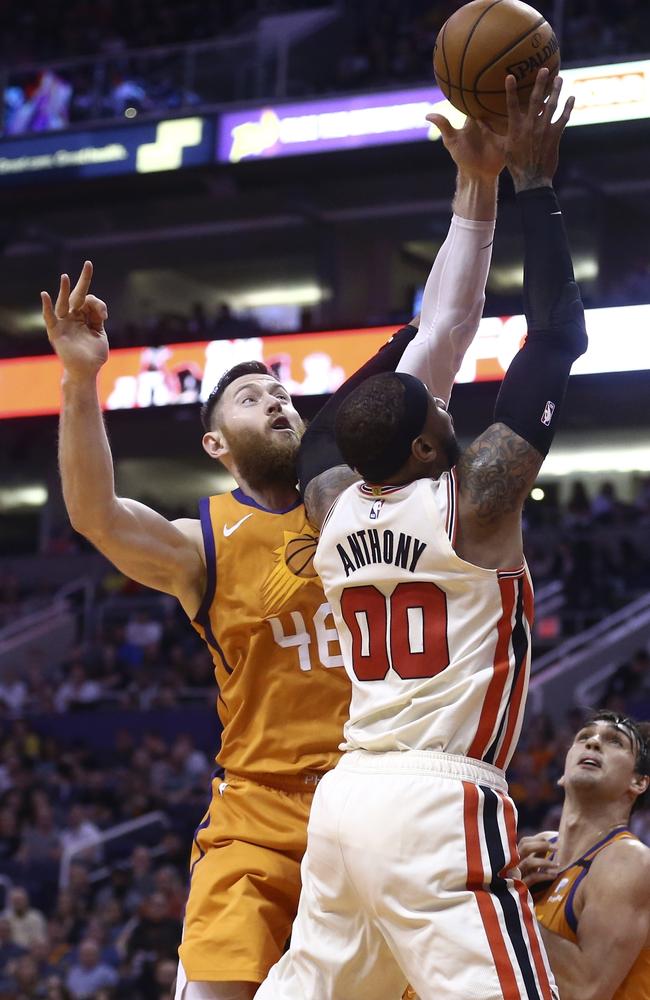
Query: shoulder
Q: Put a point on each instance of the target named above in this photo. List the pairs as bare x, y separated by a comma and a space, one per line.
324, 489
190, 527
623, 866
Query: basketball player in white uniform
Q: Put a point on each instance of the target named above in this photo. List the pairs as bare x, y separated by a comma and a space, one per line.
411, 865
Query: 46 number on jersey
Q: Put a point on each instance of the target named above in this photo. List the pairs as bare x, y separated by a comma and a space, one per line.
302, 639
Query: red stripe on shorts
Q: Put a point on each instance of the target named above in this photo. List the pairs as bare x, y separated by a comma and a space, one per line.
530, 921
476, 883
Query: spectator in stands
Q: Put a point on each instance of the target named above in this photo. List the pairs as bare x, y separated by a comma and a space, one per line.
151, 937
631, 682
13, 690
142, 630
9, 950
142, 878
88, 973
27, 924
41, 840
77, 691
24, 981
81, 839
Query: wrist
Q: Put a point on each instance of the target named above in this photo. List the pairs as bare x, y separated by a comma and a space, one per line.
78, 379
530, 182
476, 197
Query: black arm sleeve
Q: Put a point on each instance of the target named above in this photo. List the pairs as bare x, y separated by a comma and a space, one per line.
535, 384
318, 450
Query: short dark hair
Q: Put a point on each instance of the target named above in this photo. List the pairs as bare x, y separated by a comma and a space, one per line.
377, 423
243, 368
641, 733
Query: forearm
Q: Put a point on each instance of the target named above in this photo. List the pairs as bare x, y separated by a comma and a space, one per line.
318, 449
454, 294
575, 975
533, 390
85, 459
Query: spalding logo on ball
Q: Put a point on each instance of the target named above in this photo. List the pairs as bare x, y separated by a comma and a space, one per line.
481, 44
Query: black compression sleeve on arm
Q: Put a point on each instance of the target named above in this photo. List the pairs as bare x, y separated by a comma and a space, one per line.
535, 384
318, 450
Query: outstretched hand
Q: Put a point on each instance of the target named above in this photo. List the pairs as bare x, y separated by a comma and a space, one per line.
532, 141
534, 859
75, 325
475, 149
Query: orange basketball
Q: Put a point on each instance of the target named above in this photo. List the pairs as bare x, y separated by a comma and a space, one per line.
299, 556
483, 42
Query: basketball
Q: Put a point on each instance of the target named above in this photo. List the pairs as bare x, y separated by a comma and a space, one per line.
299, 556
483, 42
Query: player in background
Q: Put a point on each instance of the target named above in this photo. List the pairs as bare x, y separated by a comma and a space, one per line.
283, 695
595, 913
411, 863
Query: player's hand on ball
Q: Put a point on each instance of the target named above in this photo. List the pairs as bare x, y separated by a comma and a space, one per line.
75, 325
532, 141
534, 863
474, 148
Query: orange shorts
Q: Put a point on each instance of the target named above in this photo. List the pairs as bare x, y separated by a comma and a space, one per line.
245, 880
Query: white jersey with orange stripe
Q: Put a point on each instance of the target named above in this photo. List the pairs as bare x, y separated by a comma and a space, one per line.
438, 650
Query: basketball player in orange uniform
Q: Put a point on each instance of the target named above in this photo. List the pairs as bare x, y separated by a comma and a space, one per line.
243, 576
595, 914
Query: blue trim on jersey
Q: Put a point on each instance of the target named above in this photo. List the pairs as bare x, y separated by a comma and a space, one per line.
205, 823
210, 559
242, 497
203, 614
585, 863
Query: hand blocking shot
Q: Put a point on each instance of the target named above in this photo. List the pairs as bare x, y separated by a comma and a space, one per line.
411, 864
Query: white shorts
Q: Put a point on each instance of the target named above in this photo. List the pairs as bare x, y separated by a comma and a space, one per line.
410, 875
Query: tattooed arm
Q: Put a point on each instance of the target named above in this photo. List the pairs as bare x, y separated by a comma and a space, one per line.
323, 490
495, 475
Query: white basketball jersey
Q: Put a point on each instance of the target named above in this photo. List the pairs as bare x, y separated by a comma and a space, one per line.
438, 650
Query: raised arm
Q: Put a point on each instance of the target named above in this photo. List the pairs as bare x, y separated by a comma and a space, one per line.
454, 294
140, 542
613, 925
432, 350
497, 471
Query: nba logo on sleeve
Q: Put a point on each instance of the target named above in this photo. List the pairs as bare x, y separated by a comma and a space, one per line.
375, 509
547, 415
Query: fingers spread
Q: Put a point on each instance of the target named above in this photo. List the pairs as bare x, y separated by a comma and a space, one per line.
48, 310
566, 113
539, 91
97, 305
551, 105
512, 99
442, 124
62, 306
78, 295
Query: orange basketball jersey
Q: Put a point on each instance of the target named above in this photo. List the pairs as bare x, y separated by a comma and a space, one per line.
554, 907
283, 692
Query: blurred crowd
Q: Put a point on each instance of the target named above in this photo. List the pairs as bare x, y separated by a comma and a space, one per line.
378, 43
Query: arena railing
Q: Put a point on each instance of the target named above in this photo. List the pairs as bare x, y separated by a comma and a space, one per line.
120, 830
591, 655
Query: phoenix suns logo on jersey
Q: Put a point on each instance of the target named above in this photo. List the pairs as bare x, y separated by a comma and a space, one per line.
293, 568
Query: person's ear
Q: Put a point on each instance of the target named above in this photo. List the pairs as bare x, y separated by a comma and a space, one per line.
214, 444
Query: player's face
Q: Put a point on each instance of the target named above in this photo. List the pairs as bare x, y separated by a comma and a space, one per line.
603, 757
260, 429
440, 425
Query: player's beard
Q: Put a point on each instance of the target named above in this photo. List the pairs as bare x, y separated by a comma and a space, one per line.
263, 461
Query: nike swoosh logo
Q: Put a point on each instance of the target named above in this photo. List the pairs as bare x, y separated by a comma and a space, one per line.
227, 532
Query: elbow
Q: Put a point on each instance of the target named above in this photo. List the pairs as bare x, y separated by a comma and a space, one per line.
93, 524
